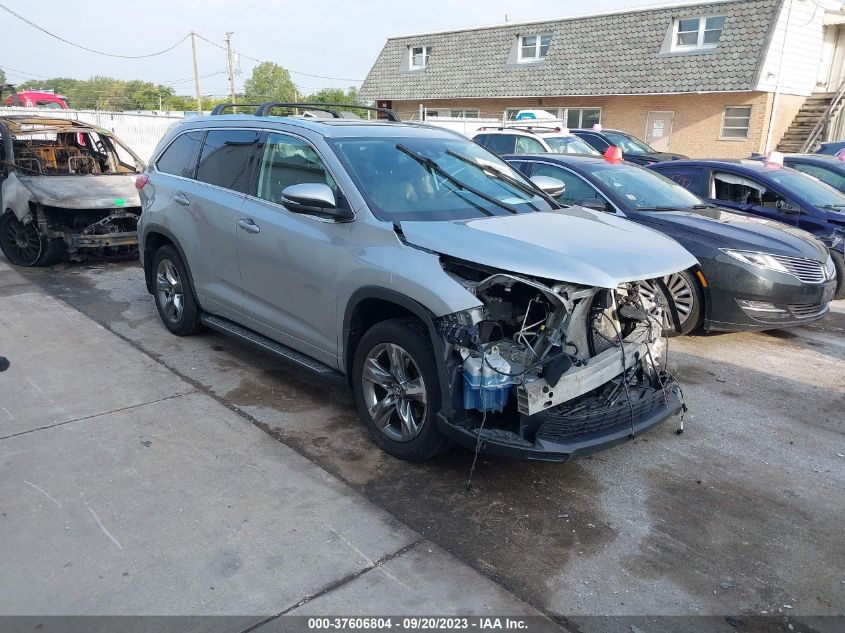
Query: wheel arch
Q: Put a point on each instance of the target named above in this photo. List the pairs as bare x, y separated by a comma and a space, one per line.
370, 305
155, 236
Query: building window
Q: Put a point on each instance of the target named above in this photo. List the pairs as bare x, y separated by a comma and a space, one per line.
694, 33
533, 48
419, 57
736, 122
464, 114
581, 117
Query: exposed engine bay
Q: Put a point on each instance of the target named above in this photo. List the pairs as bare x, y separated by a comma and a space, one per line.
555, 362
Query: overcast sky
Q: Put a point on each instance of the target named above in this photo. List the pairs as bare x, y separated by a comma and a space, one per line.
333, 38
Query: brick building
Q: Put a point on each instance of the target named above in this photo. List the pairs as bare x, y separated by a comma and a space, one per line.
723, 78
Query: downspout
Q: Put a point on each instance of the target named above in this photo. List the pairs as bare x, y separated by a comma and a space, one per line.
776, 94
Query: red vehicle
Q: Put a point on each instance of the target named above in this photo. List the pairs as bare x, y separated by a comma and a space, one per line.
36, 99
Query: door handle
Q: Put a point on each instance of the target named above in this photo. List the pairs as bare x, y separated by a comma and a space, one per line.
182, 199
249, 226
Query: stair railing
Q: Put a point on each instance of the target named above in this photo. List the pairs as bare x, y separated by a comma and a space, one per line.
818, 128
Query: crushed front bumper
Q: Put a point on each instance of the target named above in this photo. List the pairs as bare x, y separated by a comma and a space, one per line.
561, 437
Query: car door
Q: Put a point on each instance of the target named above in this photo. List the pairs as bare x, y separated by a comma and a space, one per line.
288, 261
751, 195
213, 200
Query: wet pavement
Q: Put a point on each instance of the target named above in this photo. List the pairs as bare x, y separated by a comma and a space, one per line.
742, 514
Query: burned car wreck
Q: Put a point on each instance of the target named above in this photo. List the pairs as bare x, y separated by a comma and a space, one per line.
68, 192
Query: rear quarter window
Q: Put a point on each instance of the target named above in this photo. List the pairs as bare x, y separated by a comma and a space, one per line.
180, 156
689, 178
500, 143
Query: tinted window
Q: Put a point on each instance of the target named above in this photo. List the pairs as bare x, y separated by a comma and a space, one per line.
834, 179
225, 156
528, 145
596, 141
688, 178
178, 158
286, 161
577, 191
501, 143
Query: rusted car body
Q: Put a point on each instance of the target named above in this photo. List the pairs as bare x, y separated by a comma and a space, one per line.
68, 192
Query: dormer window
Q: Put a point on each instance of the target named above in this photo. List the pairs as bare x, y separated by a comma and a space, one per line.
533, 48
697, 33
419, 57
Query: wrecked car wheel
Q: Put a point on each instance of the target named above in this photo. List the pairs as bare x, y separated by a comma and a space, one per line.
686, 295
839, 265
397, 391
21, 243
174, 296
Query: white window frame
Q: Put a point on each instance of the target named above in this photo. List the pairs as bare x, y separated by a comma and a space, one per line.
459, 113
702, 24
537, 46
426, 51
563, 115
747, 129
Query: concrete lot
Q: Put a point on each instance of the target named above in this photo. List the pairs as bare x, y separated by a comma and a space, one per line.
125, 489
742, 514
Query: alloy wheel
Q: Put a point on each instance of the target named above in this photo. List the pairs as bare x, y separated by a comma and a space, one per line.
394, 392
681, 293
21, 242
171, 297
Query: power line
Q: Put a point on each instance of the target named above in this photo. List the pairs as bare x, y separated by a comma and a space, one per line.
85, 48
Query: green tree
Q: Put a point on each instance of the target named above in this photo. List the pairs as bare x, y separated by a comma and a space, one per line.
269, 82
335, 95
2, 76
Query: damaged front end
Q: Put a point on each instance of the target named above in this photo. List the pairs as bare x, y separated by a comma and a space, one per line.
546, 370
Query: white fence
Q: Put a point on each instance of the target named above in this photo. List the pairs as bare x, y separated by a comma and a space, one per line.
140, 131
467, 127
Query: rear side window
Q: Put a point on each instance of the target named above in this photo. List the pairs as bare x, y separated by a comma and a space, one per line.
225, 158
179, 157
500, 143
528, 145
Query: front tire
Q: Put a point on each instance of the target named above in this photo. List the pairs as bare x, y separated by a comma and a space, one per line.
174, 296
397, 391
687, 296
839, 264
22, 243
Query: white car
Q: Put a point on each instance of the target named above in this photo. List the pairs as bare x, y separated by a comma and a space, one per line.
531, 139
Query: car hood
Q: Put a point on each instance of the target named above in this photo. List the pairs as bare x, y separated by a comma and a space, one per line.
84, 192
575, 245
740, 230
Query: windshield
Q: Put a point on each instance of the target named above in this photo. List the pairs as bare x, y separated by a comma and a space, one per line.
569, 145
628, 143
642, 189
393, 176
811, 189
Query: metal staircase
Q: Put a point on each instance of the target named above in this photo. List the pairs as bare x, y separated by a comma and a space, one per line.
808, 127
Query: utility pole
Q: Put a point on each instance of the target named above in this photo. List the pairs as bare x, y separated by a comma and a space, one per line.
196, 72
231, 70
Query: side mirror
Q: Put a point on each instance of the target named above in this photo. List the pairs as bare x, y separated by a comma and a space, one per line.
593, 203
549, 186
314, 198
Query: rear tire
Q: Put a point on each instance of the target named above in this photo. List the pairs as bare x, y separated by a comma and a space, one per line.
174, 296
839, 264
397, 390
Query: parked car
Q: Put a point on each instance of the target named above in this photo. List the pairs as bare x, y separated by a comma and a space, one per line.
828, 169
752, 274
770, 191
531, 139
68, 192
454, 297
635, 150
37, 99
831, 148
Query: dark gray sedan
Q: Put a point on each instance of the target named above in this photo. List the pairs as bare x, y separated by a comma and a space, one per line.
753, 273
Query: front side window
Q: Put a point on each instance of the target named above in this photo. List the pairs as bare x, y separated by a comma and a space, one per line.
596, 141
569, 145
528, 145
736, 121
419, 57
178, 159
700, 32
744, 191
285, 161
225, 157
628, 143
533, 48
403, 179
577, 190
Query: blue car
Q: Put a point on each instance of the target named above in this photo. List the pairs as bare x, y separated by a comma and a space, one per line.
832, 148
772, 191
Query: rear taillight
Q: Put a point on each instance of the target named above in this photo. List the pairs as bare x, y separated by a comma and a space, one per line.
140, 181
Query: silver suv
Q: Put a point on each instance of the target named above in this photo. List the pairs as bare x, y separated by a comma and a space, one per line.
459, 302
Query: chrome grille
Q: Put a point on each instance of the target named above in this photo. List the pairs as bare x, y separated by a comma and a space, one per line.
807, 270
807, 310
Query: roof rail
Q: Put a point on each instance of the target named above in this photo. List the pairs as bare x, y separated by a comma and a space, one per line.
265, 108
222, 107
530, 129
